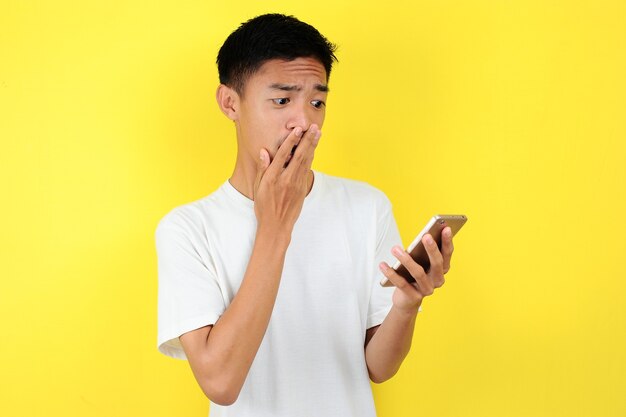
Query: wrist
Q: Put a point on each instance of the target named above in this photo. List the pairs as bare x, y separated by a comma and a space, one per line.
407, 313
272, 237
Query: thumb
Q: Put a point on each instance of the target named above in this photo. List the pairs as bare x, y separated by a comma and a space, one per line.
261, 167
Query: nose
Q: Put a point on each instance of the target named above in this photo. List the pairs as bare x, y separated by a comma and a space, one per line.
299, 116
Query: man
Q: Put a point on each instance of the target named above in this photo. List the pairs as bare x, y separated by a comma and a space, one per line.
269, 286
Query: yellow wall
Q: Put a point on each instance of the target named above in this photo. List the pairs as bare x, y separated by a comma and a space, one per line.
510, 112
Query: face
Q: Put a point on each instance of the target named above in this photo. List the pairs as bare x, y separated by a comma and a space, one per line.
279, 97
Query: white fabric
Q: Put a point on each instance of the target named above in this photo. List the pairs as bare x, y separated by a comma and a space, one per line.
311, 361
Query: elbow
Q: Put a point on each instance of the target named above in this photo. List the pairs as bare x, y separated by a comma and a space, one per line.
219, 375
221, 391
379, 378
222, 398
376, 380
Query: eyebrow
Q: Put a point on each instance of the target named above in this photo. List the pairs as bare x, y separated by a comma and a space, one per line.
288, 87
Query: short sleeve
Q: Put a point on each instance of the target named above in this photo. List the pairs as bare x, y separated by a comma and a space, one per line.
387, 236
189, 296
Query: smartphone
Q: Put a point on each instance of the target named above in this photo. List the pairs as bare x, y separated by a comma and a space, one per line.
417, 250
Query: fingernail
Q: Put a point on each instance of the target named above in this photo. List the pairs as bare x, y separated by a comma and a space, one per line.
428, 239
298, 131
448, 232
382, 267
396, 251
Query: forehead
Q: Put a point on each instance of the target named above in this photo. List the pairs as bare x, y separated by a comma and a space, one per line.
297, 71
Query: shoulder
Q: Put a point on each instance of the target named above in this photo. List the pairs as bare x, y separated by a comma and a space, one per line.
192, 215
357, 191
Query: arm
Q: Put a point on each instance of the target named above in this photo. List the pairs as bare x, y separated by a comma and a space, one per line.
220, 355
388, 344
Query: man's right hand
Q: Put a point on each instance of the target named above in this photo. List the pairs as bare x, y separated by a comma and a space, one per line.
221, 355
282, 184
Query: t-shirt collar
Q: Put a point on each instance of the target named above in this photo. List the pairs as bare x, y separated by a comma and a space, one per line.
245, 201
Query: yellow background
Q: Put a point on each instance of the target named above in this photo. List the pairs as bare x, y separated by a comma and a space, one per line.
512, 113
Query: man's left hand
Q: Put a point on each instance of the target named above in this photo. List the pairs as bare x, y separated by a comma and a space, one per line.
408, 296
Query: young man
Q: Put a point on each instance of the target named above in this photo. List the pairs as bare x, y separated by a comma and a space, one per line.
269, 286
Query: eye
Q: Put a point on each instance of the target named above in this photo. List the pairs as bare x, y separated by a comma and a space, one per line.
280, 101
318, 104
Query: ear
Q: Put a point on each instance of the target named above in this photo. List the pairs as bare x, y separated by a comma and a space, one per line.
228, 100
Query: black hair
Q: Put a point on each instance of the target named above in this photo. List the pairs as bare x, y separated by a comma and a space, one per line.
270, 36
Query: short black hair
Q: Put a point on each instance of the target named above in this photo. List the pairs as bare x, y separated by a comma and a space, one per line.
270, 36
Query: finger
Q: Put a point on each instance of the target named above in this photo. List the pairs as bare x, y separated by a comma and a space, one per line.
284, 151
447, 248
307, 160
399, 281
424, 282
261, 167
303, 154
436, 260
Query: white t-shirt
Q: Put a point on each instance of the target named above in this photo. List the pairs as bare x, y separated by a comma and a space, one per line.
311, 361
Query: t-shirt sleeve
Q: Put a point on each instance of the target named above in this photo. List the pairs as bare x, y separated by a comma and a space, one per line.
387, 236
189, 295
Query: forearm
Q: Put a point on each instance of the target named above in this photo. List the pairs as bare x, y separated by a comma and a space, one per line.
390, 344
235, 338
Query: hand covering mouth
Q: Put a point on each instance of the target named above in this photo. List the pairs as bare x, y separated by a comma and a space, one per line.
293, 150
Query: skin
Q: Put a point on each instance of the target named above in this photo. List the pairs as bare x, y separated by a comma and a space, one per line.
387, 345
281, 108
267, 113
